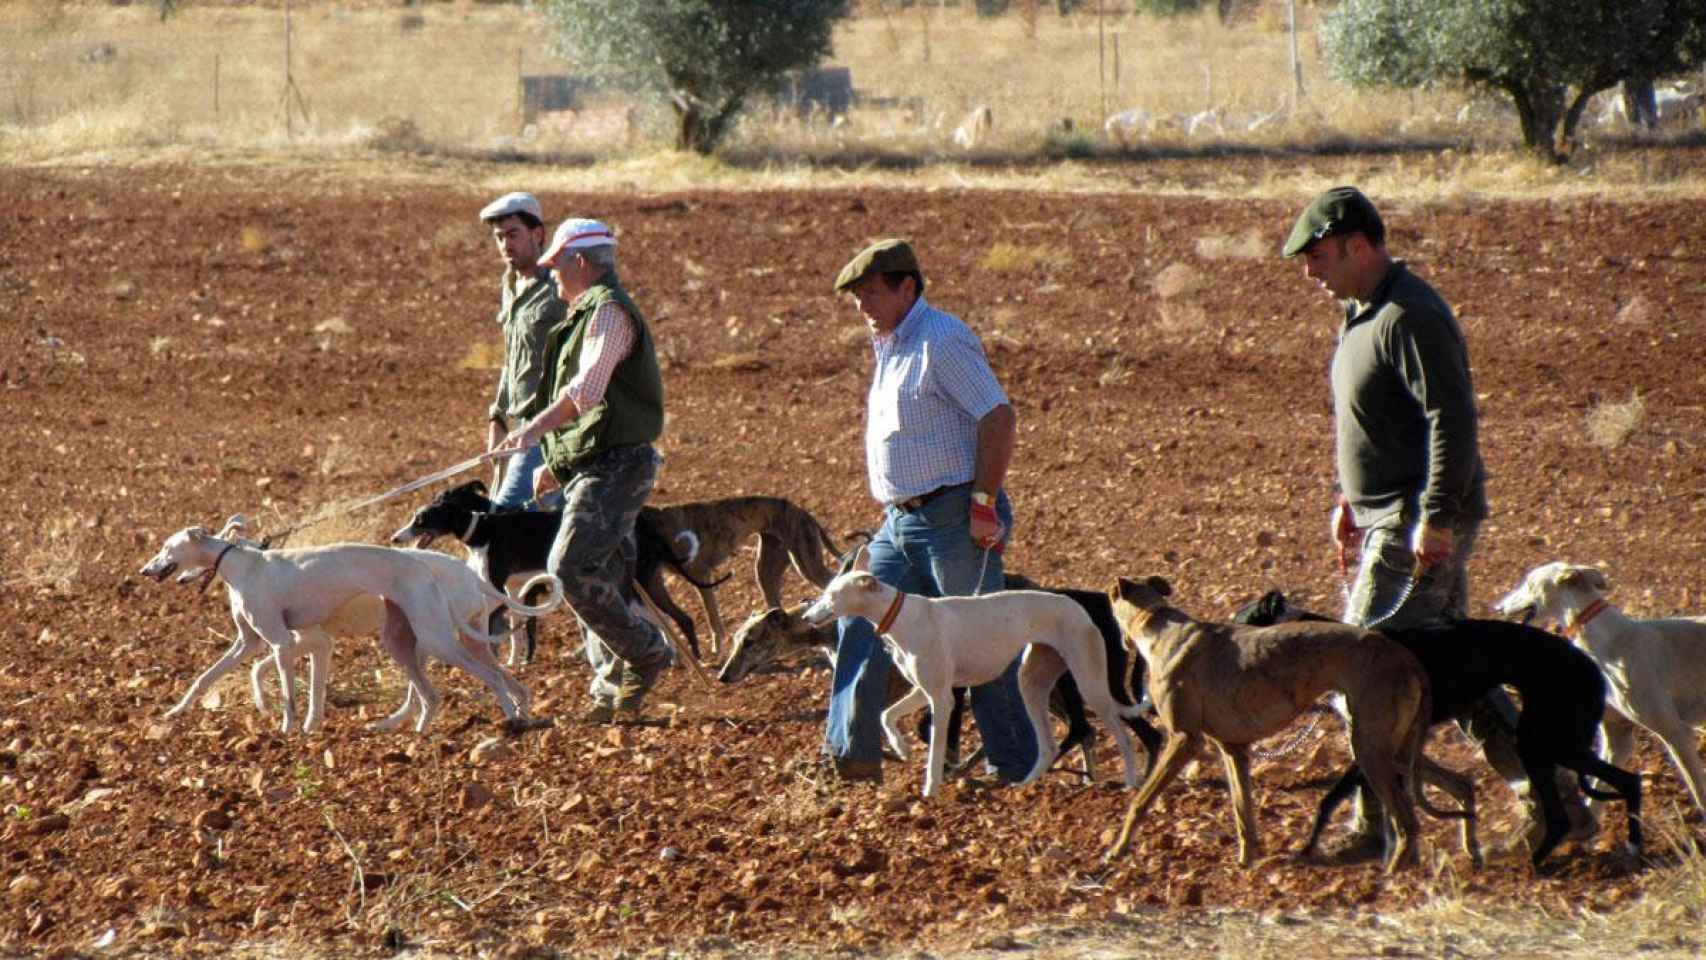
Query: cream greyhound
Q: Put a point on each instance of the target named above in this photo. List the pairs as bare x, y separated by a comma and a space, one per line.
1655, 670
942, 643
276, 592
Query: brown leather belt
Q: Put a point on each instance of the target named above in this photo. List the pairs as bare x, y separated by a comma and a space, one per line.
914, 504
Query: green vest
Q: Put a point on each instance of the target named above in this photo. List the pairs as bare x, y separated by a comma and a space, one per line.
632, 409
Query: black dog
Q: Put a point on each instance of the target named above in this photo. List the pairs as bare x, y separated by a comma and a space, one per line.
1065, 699
510, 542
1563, 700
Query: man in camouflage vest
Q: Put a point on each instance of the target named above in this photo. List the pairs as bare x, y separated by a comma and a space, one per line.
597, 413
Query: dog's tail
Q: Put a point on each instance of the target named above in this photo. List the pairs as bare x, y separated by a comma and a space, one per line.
692, 545
553, 599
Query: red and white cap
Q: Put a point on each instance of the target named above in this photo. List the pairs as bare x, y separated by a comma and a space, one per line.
576, 235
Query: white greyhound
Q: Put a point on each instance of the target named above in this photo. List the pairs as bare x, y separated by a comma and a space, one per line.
942, 643
1655, 670
276, 592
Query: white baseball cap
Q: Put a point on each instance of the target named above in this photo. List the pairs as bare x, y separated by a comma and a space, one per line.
577, 234
512, 203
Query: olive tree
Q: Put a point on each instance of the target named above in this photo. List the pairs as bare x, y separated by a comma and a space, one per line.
1547, 56
707, 58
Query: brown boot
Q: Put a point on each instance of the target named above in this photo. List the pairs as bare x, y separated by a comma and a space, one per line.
637, 680
859, 770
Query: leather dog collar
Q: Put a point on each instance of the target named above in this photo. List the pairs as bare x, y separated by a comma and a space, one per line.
1592, 610
214, 572
892, 612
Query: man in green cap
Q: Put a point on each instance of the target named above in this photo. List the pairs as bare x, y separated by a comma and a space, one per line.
1411, 483
939, 437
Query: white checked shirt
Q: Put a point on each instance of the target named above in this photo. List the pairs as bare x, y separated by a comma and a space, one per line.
931, 386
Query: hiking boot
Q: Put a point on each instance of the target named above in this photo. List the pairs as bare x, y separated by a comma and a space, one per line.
637, 680
601, 712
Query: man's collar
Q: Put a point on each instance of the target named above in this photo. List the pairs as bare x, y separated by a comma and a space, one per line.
604, 280
904, 329
1382, 291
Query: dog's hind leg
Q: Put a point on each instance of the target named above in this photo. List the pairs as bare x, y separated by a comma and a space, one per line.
1236, 763
1066, 699
1462, 789
1625, 783
1040, 668
1178, 749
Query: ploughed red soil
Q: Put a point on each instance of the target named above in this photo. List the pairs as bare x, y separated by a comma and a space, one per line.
184, 343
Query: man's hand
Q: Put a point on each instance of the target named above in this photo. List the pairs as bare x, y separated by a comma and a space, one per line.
986, 528
522, 438
1342, 527
544, 481
1432, 544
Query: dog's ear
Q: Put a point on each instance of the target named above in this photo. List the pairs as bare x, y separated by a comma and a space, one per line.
862, 558
1160, 586
1592, 578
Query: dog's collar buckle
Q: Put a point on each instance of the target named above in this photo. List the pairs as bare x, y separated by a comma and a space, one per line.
891, 613
1592, 610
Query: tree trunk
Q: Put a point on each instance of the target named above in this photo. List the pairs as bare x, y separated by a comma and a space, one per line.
1540, 108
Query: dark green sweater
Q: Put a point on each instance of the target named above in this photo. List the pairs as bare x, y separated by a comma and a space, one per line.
1404, 408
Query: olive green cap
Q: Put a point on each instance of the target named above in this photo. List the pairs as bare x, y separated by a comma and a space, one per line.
884, 256
1339, 210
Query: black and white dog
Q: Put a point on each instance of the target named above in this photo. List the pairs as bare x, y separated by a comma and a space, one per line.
508, 543
1563, 700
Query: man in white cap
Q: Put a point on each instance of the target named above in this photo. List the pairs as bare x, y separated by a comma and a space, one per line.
527, 310
596, 415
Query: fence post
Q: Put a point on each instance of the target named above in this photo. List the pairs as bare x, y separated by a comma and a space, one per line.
216, 89
1296, 64
1102, 53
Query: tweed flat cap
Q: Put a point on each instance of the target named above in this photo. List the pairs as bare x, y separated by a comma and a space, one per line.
884, 256
1339, 210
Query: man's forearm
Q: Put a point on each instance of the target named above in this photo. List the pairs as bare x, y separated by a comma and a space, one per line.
997, 434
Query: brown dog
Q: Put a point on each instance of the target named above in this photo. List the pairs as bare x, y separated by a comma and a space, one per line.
1235, 685
706, 534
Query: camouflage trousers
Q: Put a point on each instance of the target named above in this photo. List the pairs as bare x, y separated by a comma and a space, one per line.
594, 556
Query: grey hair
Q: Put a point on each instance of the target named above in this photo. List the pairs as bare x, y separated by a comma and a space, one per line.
602, 256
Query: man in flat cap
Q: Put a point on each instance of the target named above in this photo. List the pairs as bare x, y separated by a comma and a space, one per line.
597, 414
528, 307
1411, 483
939, 437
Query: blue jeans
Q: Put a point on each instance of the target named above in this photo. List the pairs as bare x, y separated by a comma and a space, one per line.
927, 552
517, 488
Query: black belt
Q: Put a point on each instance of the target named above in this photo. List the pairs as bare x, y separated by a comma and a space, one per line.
913, 504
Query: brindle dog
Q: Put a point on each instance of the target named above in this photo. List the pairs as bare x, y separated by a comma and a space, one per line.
706, 534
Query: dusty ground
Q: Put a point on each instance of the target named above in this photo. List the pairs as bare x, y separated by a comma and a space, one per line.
181, 344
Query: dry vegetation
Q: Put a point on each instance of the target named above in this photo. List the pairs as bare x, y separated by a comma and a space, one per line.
101, 82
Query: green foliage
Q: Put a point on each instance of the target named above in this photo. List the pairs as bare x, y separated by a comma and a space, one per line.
705, 57
1548, 56
167, 8
992, 8
1166, 8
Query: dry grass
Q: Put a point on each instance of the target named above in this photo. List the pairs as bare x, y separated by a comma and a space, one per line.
1609, 424
442, 79
53, 558
1006, 257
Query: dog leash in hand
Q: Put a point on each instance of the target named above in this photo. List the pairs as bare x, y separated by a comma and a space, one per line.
409, 487
1416, 573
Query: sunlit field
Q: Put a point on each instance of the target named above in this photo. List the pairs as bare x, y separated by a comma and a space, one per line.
445, 79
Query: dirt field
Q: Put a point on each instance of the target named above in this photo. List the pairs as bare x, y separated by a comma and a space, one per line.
185, 343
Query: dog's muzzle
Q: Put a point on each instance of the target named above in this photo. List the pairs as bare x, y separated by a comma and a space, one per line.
158, 572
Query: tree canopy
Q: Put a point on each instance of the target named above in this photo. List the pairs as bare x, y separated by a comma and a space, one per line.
1548, 56
707, 58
